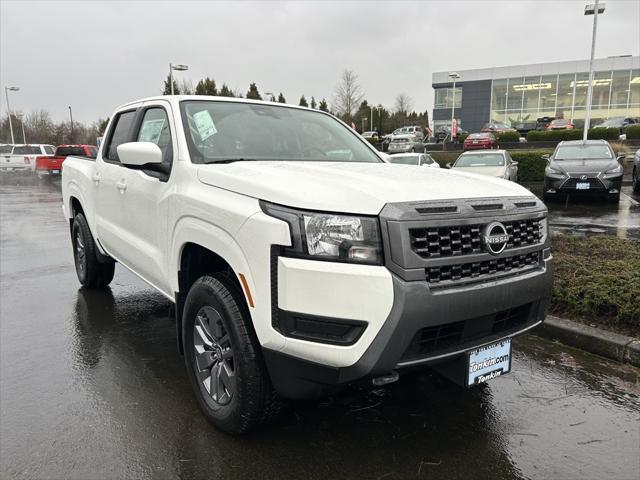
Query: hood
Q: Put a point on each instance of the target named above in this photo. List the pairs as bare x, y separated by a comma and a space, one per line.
488, 171
585, 166
350, 187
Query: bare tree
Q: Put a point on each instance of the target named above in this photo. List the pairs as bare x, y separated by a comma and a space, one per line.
347, 95
186, 87
404, 103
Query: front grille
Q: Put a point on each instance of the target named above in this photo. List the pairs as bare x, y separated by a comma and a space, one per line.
594, 183
441, 339
450, 241
479, 270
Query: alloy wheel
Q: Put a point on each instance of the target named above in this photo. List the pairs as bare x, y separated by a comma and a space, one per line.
213, 356
81, 254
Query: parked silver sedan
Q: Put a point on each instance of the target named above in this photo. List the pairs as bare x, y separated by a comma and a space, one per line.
495, 163
405, 144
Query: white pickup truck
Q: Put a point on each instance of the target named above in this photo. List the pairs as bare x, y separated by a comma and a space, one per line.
297, 258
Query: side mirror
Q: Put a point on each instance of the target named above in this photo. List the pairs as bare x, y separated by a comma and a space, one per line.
621, 157
137, 154
449, 165
545, 157
515, 164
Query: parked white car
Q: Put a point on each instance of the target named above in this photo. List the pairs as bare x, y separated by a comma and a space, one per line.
493, 163
297, 259
23, 157
420, 159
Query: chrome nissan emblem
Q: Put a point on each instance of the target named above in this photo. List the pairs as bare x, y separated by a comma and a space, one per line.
495, 238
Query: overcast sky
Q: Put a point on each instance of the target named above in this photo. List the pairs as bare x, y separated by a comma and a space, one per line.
95, 55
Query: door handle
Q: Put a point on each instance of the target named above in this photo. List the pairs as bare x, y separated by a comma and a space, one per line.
96, 177
122, 186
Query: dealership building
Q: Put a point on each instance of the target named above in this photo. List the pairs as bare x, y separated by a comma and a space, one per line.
527, 92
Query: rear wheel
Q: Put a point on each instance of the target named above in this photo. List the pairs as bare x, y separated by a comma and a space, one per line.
91, 273
223, 357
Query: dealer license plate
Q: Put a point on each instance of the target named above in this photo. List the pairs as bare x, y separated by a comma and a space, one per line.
489, 362
582, 186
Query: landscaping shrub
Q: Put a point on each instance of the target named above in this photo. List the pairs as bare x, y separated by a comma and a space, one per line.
530, 164
597, 280
633, 132
462, 136
507, 137
575, 134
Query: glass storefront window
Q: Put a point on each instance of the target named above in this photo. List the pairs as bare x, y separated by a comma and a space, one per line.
548, 94
620, 88
634, 97
444, 97
564, 100
531, 88
514, 99
601, 88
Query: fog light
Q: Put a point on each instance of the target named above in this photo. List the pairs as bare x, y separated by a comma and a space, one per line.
613, 190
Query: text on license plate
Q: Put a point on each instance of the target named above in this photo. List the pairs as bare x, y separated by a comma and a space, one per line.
489, 362
582, 186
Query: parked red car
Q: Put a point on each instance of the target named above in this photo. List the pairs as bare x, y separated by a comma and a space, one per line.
479, 141
560, 124
46, 165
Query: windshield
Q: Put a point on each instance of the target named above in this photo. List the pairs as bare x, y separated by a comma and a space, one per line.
404, 159
66, 151
229, 131
583, 152
6, 148
480, 160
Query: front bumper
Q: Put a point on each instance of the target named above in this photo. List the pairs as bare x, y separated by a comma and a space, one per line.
424, 327
598, 184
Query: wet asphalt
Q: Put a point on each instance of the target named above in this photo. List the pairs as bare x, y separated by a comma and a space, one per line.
92, 386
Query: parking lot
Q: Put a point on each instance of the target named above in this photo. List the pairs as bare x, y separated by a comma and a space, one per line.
93, 387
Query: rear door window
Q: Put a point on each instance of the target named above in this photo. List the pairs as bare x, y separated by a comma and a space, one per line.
119, 134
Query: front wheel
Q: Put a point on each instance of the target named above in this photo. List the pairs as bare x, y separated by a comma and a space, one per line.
91, 273
223, 357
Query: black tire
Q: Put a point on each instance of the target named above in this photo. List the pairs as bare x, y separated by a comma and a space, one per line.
614, 197
243, 396
636, 180
91, 273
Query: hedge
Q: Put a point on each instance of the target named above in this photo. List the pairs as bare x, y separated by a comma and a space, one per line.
507, 137
633, 132
574, 134
530, 163
597, 280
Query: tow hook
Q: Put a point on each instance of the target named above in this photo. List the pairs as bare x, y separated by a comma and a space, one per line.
385, 379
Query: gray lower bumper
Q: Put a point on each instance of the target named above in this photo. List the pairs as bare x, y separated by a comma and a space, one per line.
471, 310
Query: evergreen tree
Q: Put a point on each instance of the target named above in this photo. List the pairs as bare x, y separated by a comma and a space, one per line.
167, 87
281, 98
253, 92
303, 102
313, 103
206, 86
225, 91
323, 105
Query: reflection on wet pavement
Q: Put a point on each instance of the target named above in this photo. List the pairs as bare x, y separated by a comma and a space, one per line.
92, 386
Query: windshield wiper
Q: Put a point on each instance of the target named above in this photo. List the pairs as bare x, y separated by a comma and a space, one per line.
231, 160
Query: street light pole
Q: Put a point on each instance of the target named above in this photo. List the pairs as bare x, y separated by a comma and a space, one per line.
178, 67
592, 9
71, 119
6, 93
454, 76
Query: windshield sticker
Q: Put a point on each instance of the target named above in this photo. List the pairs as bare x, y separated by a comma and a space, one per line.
151, 130
204, 124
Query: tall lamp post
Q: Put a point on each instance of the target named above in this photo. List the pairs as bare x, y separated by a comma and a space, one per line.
591, 9
454, 76
177, 68
6, 93
71, 120
21, 117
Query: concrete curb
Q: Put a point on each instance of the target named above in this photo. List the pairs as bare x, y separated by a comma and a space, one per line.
593, 340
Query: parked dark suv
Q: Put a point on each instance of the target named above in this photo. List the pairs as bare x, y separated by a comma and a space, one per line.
583, 167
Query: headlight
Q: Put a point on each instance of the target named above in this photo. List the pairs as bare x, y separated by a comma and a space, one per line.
329, 236
553, 172
614, 172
